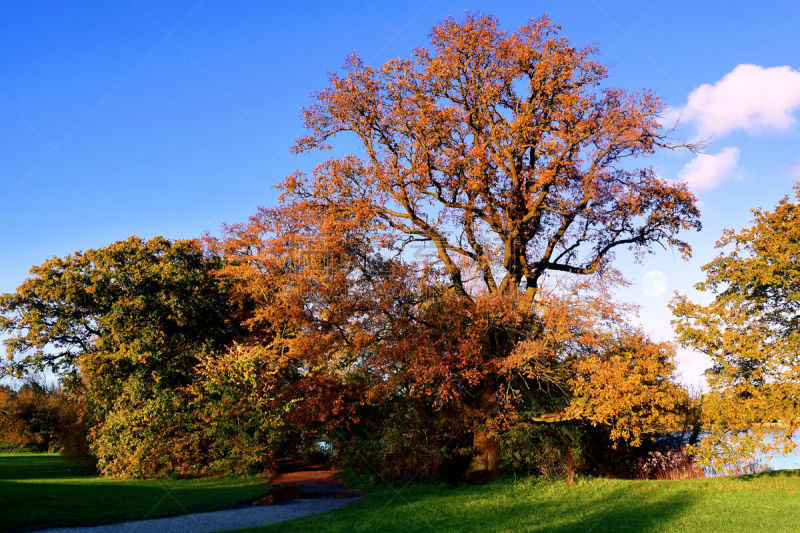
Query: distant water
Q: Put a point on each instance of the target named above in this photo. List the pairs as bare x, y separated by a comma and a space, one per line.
789, 461
778, 461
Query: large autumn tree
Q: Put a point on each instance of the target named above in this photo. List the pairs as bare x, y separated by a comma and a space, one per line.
751, 332
512, 157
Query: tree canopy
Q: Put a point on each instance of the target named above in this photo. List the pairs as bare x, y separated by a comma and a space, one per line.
505, 151
135, 297
127, 327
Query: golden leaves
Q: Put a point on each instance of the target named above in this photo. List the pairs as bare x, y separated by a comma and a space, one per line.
751, 331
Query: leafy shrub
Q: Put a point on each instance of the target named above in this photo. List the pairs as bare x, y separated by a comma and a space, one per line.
240, 420
225, 422
543, 448
404, 441
146, 434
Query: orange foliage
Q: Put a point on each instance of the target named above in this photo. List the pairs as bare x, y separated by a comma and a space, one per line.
504, 154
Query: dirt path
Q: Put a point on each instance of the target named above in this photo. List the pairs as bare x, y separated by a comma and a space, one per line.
299, 490
300, 480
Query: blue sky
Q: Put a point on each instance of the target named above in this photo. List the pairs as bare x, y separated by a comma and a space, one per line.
153, 118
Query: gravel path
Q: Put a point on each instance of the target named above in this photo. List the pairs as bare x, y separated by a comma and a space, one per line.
300, 490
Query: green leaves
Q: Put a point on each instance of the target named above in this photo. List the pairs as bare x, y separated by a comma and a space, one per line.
150, 300
129, 322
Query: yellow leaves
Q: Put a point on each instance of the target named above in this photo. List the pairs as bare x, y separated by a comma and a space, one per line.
627, 385
750, 329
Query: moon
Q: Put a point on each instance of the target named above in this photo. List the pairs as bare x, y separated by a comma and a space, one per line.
654, 283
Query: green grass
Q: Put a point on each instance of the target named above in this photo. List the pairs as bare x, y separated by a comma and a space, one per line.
765, 502
41, 490
44, 490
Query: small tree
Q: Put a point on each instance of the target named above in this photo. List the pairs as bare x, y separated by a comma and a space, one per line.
751, 332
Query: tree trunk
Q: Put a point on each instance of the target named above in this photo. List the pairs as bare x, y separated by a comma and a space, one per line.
485, 462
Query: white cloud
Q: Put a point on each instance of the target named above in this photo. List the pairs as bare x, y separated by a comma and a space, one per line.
706, 171
750, 97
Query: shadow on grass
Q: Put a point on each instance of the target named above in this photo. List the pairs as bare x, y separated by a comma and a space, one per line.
769, 474
618, 512
43, 504
38, 504
500, 507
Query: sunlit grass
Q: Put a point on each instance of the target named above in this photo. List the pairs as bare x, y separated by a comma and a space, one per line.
41, 490
764, 502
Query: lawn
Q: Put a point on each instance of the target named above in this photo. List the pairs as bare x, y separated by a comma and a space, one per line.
41, 490
765, 502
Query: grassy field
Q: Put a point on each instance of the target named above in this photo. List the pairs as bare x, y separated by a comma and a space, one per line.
40, 490
765, 502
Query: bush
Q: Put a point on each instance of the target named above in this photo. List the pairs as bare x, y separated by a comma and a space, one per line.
548, 449
670, 463
404, 441
224, 423
146, 434
241, 422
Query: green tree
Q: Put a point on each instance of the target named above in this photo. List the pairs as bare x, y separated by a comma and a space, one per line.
127, 325
152, 303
